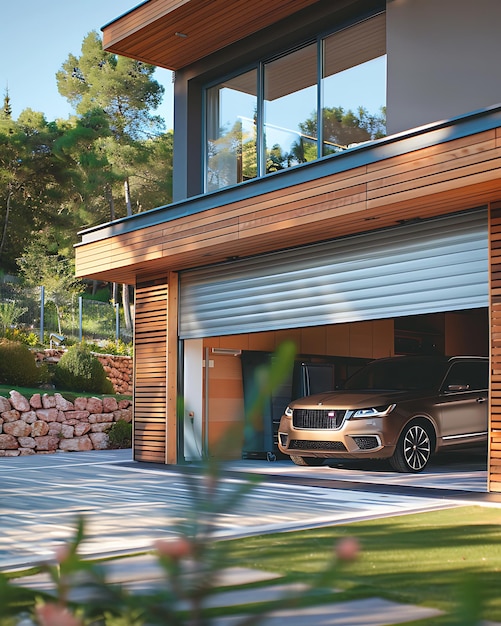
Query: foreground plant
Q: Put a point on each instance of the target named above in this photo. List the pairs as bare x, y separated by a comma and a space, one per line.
192, 561
191, 567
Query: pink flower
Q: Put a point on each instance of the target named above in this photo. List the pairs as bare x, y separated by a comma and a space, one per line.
175, 549
347, 549
210, 482
56, 615
62, 552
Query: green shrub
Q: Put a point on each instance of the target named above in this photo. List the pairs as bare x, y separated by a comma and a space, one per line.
18, 366
9, 314
17, 334
102, 295
79, 370
120, 435
119, 348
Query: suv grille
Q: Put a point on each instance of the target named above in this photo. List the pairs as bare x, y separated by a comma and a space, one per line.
317, 418
298, 444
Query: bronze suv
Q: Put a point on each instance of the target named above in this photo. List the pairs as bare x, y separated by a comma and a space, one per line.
400, 408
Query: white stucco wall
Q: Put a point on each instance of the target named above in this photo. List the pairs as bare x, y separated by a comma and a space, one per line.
444, 59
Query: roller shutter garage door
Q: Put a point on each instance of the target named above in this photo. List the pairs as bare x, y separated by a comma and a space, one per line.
423, 267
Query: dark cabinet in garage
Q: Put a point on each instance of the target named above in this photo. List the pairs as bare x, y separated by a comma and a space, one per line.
309, 375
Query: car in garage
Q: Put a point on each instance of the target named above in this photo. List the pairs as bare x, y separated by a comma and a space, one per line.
399, 408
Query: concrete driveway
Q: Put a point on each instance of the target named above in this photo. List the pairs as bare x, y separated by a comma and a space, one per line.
128, 505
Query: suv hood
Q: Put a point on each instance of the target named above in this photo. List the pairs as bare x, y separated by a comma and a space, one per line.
357, 399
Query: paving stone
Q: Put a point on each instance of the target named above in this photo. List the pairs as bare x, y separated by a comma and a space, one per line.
366, 612
142, 574
127, 505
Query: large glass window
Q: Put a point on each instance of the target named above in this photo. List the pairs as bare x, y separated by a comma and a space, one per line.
231, 131
354, 86
267, 119
290, 106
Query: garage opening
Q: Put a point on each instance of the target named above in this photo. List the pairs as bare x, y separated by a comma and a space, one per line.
419, 288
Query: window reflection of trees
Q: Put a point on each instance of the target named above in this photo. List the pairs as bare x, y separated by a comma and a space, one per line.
349, 91
232, 158
341, 130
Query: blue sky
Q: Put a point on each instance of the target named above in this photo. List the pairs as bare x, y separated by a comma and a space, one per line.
36, 38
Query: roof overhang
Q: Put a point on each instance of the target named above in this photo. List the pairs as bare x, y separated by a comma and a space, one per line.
175, 33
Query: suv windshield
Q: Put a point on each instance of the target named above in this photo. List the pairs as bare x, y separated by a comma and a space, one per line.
401, 374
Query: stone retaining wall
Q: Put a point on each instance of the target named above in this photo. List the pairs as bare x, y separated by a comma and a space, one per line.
46, 423
119, 369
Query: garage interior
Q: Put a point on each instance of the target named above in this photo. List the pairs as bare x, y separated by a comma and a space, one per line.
325, 356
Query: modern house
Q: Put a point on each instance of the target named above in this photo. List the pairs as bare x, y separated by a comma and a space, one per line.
337, 182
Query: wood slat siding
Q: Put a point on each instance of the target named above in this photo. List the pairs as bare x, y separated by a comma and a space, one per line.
494, 473
148, 32
150, 365
432, 181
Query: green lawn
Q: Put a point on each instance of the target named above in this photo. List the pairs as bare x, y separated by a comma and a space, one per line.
450, 560
27, 392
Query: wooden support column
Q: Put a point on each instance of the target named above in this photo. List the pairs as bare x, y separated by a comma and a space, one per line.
172, 369
155, 370
494, 454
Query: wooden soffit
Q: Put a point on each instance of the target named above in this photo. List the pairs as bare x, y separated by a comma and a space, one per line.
175, 33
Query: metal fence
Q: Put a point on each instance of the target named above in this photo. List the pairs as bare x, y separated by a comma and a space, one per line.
81, 319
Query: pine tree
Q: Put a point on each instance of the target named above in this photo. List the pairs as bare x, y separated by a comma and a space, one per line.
6, 112
125, 90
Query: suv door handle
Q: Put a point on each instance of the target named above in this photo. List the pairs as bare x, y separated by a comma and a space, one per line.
480, 400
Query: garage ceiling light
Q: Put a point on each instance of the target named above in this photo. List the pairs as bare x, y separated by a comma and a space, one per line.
226, 351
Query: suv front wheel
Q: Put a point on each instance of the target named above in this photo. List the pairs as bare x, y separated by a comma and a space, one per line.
413, 449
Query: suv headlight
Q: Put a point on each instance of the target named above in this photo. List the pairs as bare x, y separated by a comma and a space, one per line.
288, 412
377, 411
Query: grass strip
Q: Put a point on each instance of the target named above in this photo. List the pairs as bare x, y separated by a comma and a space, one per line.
448, 559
